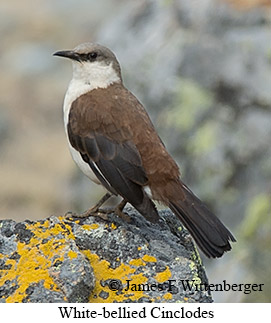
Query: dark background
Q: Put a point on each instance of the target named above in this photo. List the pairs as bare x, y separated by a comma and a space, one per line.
202, 70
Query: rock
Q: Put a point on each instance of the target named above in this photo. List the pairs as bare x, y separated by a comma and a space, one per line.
92, 260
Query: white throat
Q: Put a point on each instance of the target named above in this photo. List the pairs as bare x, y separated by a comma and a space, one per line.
96, 74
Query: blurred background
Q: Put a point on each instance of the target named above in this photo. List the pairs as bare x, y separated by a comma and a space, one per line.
203, 71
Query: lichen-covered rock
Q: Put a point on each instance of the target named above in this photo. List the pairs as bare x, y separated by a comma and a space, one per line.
93, 260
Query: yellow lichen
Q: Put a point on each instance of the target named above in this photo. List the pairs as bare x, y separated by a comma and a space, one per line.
31, 268
163, 276
167, 296
36, 258
149, 258
72, 254
104, 272
46, 224
137, 262
92, 226
113, 226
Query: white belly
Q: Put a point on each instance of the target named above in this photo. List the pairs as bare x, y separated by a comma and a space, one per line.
84, 167
78, 87
74, 91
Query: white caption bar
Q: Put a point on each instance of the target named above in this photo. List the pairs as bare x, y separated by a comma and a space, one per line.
107, 312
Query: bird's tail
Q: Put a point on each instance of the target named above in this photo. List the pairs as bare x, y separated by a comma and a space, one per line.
209, 232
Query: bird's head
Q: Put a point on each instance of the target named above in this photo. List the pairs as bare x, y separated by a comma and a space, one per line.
93, 64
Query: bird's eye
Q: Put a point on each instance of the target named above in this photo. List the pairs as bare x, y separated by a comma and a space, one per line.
92, 55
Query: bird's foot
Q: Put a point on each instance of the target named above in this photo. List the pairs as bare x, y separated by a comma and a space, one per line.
122, 215
118, 210
91, 212
101, 213
70, 215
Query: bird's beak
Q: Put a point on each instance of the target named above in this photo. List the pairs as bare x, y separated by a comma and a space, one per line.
68, 54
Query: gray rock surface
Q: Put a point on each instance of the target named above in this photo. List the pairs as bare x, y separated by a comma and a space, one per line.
91, 260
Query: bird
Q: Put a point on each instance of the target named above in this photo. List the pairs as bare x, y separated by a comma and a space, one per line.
114, 143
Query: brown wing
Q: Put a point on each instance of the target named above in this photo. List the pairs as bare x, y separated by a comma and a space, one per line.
105, 143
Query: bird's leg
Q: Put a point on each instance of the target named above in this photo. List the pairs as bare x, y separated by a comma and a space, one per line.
94, 210
118, 211
121, 206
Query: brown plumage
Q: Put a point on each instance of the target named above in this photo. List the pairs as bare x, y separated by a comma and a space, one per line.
114, 135
112, 129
